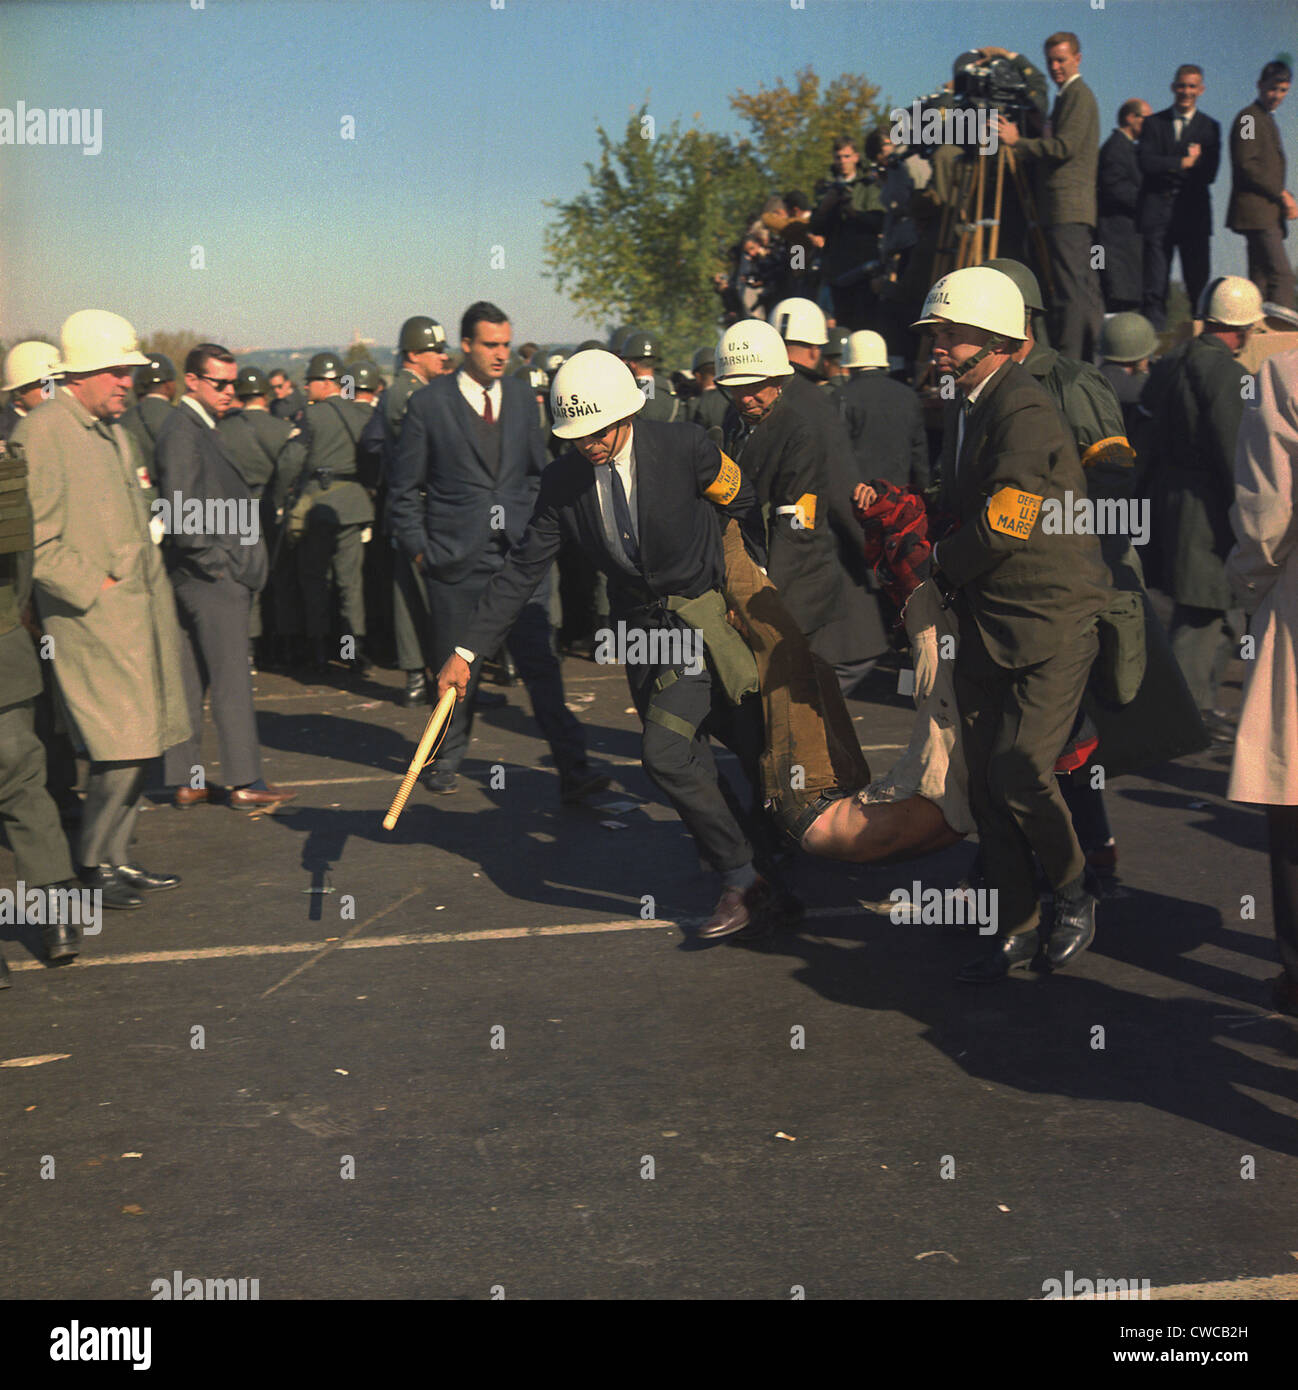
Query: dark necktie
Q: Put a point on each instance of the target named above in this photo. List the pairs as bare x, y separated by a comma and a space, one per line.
486, 413
622, 516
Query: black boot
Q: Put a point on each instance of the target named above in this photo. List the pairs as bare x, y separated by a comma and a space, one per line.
416, 691
1007, 953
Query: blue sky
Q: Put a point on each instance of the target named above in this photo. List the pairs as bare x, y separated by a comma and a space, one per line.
223, 121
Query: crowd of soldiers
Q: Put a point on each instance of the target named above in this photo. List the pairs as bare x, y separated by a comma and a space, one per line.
794, 500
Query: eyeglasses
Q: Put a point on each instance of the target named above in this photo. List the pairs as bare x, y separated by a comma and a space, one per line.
221, 383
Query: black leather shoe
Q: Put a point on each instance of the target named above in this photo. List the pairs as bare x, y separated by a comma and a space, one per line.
62, 940
142, 880
581, 782
5, 981
441, 783
1008, 953
360, 664
1073, 931
416, 691
113, 892
737, 910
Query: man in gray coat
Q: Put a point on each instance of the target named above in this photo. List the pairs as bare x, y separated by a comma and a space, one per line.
1070, 156
103, 596
217, 561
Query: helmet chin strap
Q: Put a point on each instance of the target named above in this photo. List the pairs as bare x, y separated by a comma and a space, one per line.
994, 345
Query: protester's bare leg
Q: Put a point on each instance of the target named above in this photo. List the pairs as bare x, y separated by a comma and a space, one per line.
878, 832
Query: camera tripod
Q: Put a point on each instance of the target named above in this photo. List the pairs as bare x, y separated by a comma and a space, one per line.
966, 237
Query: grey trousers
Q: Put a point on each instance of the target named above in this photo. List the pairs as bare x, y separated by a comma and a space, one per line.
214, 656
1268, 266
108, 816
31, 818
1078, 307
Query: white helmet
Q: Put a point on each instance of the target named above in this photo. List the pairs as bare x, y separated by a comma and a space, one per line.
590, 392
750, 351
978, 297
28, 363
1231, 301
800, 321
94, 340
865, 349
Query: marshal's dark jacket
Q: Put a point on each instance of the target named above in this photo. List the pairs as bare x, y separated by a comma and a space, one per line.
679, 528
442, 489
1031, 594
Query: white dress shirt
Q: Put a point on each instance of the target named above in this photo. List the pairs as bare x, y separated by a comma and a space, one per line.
477, 395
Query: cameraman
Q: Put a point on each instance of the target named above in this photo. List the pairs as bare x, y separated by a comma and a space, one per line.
1070, 155
849, 215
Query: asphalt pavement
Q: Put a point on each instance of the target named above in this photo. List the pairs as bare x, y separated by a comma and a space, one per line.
482, 1056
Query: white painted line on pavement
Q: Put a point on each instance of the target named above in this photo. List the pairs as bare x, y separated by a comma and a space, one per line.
401, 939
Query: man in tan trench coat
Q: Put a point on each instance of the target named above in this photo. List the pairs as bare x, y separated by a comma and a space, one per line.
103, 595
1263, 568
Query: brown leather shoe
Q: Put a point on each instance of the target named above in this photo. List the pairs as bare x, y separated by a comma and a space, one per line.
245, 799
735, 910
190, 796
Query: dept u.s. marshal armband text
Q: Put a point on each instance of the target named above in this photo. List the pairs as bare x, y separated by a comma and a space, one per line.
724, 488
1013, 513
1115, 450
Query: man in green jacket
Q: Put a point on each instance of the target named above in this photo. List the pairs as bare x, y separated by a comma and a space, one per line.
1026, 602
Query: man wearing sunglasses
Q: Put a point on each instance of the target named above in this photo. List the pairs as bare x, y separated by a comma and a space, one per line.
217, 561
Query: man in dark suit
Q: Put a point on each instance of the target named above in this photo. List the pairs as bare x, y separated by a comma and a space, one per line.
1260, 204
1117, 202
1026, 597
217, 561
883, 417
1068, 157
464, 478
1180, 149
689, 671
289, 402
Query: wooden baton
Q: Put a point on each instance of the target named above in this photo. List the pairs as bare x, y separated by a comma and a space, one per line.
433, 730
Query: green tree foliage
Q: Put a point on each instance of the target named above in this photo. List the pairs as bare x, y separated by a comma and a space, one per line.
664, 207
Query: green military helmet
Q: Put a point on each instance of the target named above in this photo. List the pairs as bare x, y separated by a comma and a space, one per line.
1026, 284
251, 381
836, 345
365, 376
1128, 337
158, 369
592, 344
552, 359
421, 334
1023, 278
325, 366
640, 346
704, 357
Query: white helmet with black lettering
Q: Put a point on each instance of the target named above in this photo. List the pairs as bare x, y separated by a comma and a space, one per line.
591, 391
751, 351
800, 321
1231, 301
865, 348
977, 297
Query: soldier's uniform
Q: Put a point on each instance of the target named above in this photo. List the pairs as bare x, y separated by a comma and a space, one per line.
253, 438
661, 401
30, 815
708, 411
409, 596
328, 513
